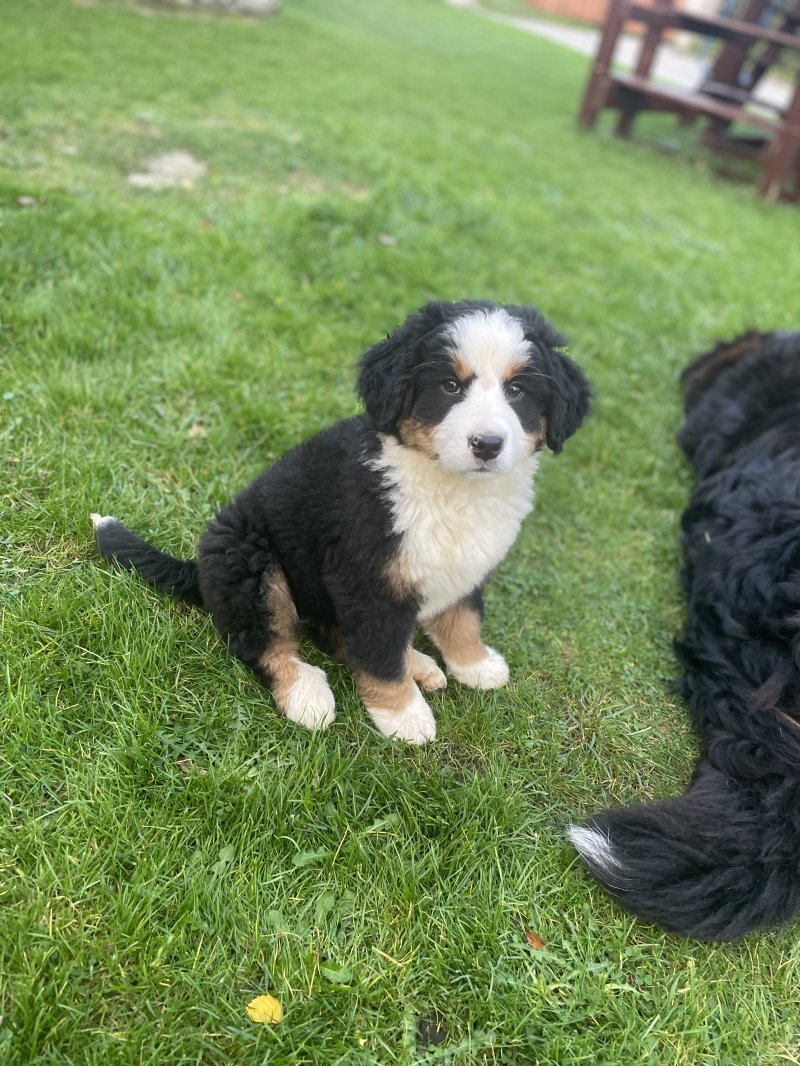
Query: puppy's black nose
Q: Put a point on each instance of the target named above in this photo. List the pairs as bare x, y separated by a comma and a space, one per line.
486, 445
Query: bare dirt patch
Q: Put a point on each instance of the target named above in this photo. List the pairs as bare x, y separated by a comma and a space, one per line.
175, 168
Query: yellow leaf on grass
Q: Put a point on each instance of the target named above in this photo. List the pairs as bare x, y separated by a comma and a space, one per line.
265, 1009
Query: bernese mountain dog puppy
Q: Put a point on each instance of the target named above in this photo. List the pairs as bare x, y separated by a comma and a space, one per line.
724, 858
387, 520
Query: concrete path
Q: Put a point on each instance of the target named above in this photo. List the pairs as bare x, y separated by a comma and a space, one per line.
671, 65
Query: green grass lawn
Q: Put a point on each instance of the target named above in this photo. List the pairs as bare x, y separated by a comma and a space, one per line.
169, 847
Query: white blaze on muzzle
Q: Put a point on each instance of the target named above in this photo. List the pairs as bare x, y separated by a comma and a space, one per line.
469, 433
490, 344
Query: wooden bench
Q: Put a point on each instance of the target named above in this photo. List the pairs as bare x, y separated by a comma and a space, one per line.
721, 98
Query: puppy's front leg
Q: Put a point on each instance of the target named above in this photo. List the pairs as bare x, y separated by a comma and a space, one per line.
378, 648
456, 632
426, 670
396, 705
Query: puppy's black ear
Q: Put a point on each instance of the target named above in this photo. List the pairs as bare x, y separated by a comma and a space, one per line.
385, 374
567, 390
568, 401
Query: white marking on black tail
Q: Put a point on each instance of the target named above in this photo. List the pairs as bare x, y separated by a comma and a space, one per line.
178, 577
100, 520
596, 849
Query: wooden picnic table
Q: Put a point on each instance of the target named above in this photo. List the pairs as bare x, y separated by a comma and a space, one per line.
753, 43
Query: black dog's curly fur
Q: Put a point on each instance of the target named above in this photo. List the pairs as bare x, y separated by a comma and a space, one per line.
724, 858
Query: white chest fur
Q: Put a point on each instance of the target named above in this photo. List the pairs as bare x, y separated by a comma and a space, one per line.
455, 529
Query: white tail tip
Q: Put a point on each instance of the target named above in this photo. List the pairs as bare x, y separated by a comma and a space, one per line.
100, 520
595, 848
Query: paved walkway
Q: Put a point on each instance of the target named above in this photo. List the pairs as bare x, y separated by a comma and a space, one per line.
671, 65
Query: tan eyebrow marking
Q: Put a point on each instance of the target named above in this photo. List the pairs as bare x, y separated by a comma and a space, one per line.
461, 367
514, 368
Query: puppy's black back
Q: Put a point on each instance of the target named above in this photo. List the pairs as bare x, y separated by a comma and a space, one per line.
318, 507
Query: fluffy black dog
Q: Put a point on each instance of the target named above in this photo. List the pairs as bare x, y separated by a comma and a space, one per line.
724, 858
390, 519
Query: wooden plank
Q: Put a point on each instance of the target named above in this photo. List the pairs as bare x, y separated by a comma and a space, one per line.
668, 99
711, 25
783, 154
733, 54
597, 85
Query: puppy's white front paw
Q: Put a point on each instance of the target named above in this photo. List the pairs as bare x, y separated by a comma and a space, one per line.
413, 723
489, 672
426, 670
309, 700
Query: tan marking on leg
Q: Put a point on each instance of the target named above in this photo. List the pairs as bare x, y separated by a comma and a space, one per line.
457, 633
301, 690
282, 666
392, 696
280, 660
398, 578
397, 708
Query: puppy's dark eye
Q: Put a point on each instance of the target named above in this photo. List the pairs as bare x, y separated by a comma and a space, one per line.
514, 390
451, 386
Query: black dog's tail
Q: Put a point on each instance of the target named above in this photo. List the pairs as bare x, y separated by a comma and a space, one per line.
178, 577
715, 863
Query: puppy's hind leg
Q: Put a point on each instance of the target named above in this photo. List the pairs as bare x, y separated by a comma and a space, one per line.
247, 595
301, 690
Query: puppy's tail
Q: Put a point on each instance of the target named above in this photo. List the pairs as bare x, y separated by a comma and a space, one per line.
178, 577
713, 864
